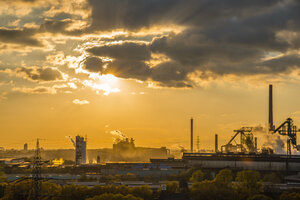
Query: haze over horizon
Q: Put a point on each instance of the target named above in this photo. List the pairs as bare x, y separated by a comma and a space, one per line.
145, 67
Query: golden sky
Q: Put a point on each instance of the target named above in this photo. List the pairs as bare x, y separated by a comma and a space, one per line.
145, 68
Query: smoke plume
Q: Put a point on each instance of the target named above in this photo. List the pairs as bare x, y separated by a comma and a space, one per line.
118, 133
273, 141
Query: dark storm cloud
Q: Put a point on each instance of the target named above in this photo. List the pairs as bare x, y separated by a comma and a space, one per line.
221, 37
129, 59
18, 1
136, 14
93, 64
19, 36
55, 26
39, 73
170, 74
282, 64
218, 37
125, 51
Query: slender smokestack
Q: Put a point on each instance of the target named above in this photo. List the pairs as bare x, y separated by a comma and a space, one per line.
271, 108
216, 143
255, 143
192, 135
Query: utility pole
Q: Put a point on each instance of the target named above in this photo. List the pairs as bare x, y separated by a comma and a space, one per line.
192, 132
36, 174
198, 144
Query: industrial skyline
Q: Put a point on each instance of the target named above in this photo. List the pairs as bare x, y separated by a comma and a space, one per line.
145, 68
150, 99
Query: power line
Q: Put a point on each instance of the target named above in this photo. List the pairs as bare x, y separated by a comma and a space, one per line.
36, 174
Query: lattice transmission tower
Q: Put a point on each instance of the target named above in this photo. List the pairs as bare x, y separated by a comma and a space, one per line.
36, 174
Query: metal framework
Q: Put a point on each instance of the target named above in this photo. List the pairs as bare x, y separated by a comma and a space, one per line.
247, 142
288, 129
36, 174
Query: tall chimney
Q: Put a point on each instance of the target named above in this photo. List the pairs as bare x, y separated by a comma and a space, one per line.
192, 134
216, 143
271, 127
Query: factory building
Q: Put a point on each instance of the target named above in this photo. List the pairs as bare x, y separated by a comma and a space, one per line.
80, 150
242, 153
243, 162
25, 147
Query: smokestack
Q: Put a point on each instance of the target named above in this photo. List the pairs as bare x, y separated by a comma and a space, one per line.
255, 143
216, 143
192, 134
271, 127
198, 144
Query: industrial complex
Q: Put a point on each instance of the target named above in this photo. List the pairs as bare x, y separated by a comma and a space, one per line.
244, 154
241, 152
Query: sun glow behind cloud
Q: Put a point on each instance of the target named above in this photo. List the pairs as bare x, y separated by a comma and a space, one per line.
106, 83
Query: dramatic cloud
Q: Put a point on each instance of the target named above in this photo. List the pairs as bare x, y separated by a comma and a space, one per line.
19, 36
93, 64
80, 102
35, 90
137, 14
128, 59
218, 39
55, 26
205, 38
39, 73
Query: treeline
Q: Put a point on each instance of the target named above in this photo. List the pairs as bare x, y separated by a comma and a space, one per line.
51, 191
244, 185
226, 185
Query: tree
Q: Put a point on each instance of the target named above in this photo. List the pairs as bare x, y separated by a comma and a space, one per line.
50, 190
17, 190
197, 176
2, 189
21, 190
172, 187
249, 183
210, 190
111, 196
2, 176
259, 197
73, 192
290, 196
143, 191
224, 177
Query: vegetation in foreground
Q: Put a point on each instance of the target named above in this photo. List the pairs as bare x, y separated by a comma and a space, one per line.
245, 185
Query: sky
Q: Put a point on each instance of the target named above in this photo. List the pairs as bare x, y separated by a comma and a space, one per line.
145, 67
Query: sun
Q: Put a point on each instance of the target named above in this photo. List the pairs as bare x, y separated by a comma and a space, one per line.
103, 84
108, 78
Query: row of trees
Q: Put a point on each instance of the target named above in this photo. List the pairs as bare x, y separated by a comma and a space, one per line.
51, 191
244, 185
247, 185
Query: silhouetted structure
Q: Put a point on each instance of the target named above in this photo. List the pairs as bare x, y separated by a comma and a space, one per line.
216, 143
192, 137
36, 174
80, 150
287, 128
198, 144
25, 147
247, 143
271, 126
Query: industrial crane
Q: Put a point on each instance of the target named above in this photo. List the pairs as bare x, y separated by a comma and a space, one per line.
74, 144
287, 128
